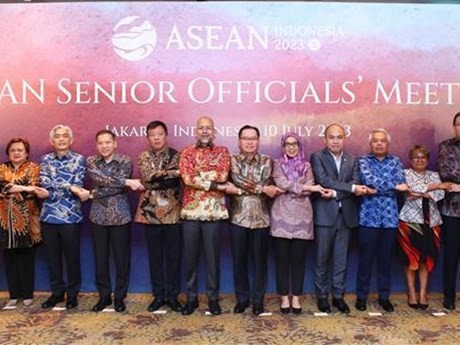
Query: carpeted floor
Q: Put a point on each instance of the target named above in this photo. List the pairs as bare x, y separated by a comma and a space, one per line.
33, 325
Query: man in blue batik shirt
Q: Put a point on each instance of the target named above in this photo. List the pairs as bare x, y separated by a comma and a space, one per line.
383, 175
61, 174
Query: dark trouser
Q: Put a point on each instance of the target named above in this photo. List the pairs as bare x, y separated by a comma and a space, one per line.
290, 257
119, 238
20, 272
164, 246
58, 240
195, 234
331, 244
374, 242
451, 243
245, 241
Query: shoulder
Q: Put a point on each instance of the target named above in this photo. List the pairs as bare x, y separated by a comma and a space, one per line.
447, 142
265, 158
91, 159
123, 158
349, 156
221, 149
76, 156
48, 156
143, 154
188, 150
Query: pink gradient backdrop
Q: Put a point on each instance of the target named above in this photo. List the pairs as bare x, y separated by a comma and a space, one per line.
395, 42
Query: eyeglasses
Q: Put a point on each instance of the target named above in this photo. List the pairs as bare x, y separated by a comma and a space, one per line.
249, 138
296, 144
420, 158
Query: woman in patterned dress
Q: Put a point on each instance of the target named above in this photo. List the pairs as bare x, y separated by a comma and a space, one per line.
19, 225
419, 228
292, 220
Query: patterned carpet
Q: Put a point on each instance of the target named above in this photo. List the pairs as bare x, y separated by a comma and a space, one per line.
33, 325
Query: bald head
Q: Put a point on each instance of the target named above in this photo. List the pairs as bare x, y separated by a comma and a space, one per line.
334, 137
205, 130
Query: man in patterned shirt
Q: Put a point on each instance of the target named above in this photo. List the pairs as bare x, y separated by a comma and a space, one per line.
251, 173
204, 169
61, 174
110, 217
159, 210
449, 170
383, 175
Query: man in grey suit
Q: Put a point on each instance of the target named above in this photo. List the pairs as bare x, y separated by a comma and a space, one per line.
335, 214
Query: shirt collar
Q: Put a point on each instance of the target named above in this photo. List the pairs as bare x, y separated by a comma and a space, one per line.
115, 157
199, 145
67, 155
249, 158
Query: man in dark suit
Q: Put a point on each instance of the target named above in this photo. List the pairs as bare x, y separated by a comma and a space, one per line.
335, 214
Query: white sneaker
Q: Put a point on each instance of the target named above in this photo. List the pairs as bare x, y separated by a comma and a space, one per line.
11, 303
28, 302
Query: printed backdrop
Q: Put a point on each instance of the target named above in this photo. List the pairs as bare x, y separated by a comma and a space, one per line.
279, 66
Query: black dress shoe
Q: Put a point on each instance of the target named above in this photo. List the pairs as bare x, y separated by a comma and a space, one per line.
101, 304
174, 304
340, 304
386, 305
214, 307
52, 301
240, 307
258, 309
120, 305
71, 303
156, 304
361, 304
190, 307
449, 305
323, 305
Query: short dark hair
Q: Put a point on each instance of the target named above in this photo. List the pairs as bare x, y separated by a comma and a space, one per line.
106, 131
248, 127
455, 118
17, 140
157, 123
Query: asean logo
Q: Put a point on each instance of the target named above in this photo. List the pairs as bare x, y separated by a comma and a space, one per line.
134, 38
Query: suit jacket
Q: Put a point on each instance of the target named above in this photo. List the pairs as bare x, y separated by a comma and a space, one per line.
325, 172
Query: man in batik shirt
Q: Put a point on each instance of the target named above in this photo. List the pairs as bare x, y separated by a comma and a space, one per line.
383, 175
251, 173
61, 174
110, 217
449, 170
159, 210
204, 169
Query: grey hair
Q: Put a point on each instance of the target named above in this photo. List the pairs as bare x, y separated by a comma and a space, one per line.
64, 127
380, 130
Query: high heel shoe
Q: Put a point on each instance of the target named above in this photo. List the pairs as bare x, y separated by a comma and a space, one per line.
296, 311
285, 310
423, 306
414, 305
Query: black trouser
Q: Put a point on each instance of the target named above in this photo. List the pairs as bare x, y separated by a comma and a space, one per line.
195, 235
248, 243
290, 255
117, 237
451, 243
59, 240
164, 246
20, 272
